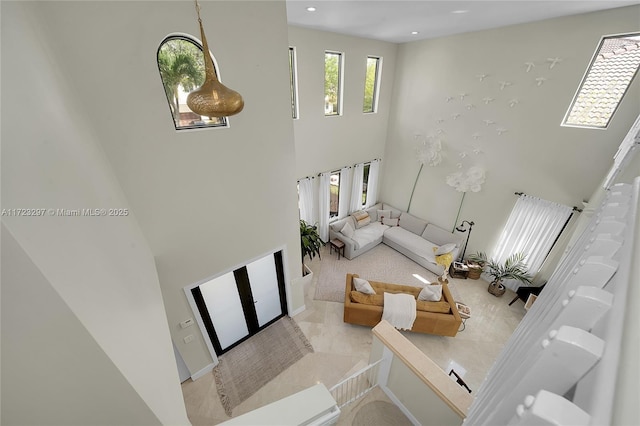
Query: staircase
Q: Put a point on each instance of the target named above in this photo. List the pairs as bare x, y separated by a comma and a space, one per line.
357, 385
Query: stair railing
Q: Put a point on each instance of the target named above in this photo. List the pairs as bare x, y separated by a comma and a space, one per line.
357, 385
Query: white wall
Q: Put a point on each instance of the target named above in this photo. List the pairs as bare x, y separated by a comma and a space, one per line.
536, 155
329, 143
81, 293
206, 200
85, 123
53, 371
631, 169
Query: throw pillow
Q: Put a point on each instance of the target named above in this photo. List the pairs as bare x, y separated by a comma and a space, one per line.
385, 213
445, 248
431, 293
390, 222
347, 230
369, 299
337, 225
364, 222
362, 218
371, 211
363, 286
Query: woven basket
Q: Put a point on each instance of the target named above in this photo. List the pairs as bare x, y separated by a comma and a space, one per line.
474, 271
497, 289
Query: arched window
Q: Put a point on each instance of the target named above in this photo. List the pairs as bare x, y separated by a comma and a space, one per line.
181, 66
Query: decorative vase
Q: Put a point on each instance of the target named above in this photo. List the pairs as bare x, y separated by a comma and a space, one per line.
496, 288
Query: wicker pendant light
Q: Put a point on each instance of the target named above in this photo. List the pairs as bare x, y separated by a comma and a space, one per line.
213, 99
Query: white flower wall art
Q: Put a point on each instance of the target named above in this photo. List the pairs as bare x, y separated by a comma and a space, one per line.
471, 180
430, 152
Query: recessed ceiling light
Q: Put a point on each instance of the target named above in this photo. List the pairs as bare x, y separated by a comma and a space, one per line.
311, 9
460, 11
415, 32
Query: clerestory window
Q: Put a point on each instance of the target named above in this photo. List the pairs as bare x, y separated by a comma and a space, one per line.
181, 66
613, 67
332, 83
372, 84
293, 81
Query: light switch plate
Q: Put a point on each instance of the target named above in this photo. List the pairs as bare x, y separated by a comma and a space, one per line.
186, 323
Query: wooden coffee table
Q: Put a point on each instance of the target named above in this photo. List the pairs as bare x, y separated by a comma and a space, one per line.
336, 245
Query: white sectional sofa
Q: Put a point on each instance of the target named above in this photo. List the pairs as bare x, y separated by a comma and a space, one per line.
408, 234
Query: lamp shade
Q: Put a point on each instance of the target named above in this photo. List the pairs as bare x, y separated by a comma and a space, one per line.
213, 99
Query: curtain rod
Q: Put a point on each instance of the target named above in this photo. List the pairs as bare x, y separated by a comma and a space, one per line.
348, 167
575, 209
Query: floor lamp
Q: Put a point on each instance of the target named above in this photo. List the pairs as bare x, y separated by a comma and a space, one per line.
463, 228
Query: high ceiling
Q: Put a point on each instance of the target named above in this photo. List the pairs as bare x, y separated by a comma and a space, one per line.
394, 21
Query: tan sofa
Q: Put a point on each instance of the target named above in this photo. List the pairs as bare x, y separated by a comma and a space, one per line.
431, 317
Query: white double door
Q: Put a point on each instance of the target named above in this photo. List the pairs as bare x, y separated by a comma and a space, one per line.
242, 302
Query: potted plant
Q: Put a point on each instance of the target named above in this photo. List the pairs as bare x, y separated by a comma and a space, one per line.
310, 243
513, 268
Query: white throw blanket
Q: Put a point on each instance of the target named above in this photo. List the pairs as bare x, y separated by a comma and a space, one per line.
399, 310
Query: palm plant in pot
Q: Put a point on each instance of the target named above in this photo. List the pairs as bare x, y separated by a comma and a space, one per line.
513, 268
310, 243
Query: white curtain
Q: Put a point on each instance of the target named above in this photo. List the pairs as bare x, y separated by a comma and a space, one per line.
557, 253
533, 226
345, 192
306, 200
323, 205
372, 183
356, 188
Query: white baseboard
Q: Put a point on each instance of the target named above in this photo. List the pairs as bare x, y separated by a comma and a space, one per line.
201, 373
399, 404
298, 311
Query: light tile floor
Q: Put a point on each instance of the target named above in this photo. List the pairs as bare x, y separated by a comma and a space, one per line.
341, 349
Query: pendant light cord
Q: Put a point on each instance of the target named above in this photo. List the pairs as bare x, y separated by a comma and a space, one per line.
198, 11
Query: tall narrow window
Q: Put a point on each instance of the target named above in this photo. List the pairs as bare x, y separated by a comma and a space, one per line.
371, 84
332, 83
181, 66
334, 194
365, 182
607, 79
293, 82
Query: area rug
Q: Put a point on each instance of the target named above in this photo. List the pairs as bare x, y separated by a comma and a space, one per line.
252, 364
382, 263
